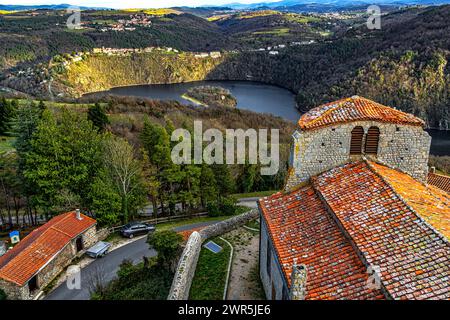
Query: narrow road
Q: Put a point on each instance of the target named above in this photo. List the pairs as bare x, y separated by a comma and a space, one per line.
106, 267
249, 202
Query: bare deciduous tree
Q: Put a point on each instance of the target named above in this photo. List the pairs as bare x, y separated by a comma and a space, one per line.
123, 169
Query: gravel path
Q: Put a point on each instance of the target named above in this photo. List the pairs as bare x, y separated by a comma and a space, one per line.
244, 280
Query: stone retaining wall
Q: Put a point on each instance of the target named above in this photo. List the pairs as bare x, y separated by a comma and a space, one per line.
187, 264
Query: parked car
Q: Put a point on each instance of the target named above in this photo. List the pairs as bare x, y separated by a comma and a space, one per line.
136, 228
99, 249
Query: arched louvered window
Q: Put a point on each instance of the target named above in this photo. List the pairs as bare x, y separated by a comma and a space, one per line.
356, 142
372, 138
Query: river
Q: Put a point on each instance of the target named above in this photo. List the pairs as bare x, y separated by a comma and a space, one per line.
253, 96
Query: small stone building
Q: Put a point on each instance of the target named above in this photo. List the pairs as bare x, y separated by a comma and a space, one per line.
35, 261
357, 218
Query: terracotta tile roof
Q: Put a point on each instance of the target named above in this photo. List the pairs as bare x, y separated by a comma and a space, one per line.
413, 258
40, 246
440, 181
354, 109
429, 202
301, 228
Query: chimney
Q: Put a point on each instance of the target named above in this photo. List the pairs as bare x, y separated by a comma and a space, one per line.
78, 214
298, 282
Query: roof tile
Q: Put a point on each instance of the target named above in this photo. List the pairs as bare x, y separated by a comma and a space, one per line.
440, 181
23, 261
386, 230
354, 109
301, 228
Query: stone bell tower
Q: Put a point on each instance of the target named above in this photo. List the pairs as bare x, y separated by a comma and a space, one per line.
352, 128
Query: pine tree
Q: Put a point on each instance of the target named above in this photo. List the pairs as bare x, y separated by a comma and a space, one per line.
64, 155
23, 128
208, 185
247, 178
224, 180
156, 142
99, 118
6, 116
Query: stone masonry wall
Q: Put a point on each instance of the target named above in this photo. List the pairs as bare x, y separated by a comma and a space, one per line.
275, 278
13, 291
55, 266
400, 146
90, 237
59, 263
182, 280
185, 272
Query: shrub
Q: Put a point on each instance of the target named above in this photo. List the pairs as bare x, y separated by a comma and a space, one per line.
228, 206
168, 244
213, 209
3, 295
441, 163
137, 282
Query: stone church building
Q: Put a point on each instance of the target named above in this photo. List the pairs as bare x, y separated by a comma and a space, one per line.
43, 254
358, 218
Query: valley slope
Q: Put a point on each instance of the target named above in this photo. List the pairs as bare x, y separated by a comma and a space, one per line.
405, 64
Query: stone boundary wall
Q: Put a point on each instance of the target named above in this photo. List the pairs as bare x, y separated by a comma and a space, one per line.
187, 264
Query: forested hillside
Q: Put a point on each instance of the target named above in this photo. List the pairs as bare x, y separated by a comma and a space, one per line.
27, 37
101, 72
405, 64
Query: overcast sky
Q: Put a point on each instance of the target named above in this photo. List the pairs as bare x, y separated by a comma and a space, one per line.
131, 3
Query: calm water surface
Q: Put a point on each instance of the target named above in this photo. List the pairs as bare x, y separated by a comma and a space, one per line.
252, 96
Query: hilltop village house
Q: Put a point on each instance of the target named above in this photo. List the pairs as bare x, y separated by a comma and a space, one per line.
35, 261
357, 218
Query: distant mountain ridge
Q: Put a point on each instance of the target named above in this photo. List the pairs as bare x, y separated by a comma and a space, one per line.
296, 5
62, 6
286, 4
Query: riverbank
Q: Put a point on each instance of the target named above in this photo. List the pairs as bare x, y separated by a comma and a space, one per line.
192, 99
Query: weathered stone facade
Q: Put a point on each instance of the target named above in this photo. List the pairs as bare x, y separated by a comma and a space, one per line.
53, 268
299, 278
14, 292
273, 281
403, 147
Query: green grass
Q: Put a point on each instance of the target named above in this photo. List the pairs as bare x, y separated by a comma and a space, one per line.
278, 31
253, 224
257, 288
52, 104
6, 144
211, 273
255, 194
113, 237
179, 223
301, 19
442, 173
259, 13
154, 12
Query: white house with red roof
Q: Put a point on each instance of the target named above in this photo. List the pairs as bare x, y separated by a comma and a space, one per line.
43, 254
358, 218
